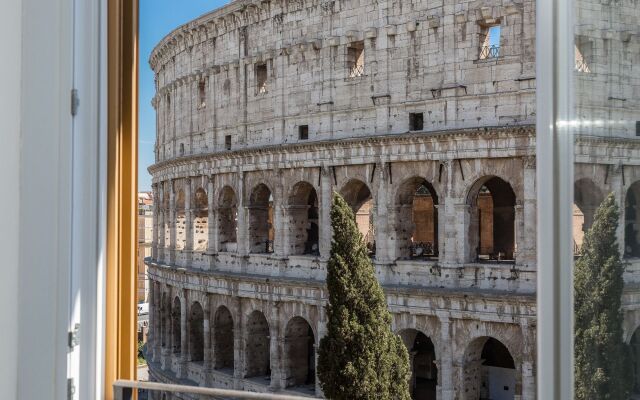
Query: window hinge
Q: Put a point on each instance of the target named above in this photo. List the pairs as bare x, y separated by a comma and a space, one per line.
71, 389
75, 102
74, 338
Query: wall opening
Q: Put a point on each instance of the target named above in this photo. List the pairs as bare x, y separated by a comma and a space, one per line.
490, 41
416, 121
492, 221
200, 220
228, 220
261, 78
634, 347
632, 221
176, 337
300, 355
587, 198
489, 371
303, 221
261, 232
422, 359
227, 142
355, 59
223, 338
357, 194
257, 352
417, 220
583, 49
165, 320
303, 132
202, 94
196, 333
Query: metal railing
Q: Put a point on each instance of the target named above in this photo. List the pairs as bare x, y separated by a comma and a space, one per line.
124, 389
582, 66
356, 70
489, 52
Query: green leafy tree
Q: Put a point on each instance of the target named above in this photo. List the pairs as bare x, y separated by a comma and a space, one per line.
602, 363
360, 357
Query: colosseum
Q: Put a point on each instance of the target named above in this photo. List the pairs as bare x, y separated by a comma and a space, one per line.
422, 115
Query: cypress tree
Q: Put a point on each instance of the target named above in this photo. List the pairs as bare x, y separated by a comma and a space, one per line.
360, 357
602, 363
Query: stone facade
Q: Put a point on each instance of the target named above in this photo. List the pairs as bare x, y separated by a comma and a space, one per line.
265, 108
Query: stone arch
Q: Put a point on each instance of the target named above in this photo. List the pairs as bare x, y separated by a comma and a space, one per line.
223, 339
228, 220
257, 347
632, 221
261, 213
422, 357
300, 357
491, 230
181, 227
360, 198
416, 219
176, 333
634, 347
196, 332
489, 371
303, 213
200, 220
587, 196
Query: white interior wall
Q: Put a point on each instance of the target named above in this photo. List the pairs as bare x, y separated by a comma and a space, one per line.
10, 48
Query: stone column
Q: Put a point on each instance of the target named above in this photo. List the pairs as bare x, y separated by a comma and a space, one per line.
184, 342
527, 245
208, 365
243, 228
322, 332
381, 203
159, 205
465, 246
518, 230
188, 216
154, 239
238, 345
619, 188
276, 346
528, 360
445, 367
324, 204
172, 223
212, 242
279, 218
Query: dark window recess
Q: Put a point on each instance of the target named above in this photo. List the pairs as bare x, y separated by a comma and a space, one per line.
355, 59
261, 78
637, 128
202, 94
227, 142
181, 149
416, 121
303, 132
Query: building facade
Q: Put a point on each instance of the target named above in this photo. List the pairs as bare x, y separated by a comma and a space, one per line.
422, 116
145, 241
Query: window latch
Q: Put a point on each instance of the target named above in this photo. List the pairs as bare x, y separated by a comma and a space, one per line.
75, 102
74, 337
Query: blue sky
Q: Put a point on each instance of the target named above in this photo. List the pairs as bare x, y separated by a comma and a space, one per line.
157, 18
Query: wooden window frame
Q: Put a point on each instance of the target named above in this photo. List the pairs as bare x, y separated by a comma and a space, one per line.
121, 238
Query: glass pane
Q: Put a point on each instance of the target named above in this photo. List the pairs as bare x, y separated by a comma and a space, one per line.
606, 211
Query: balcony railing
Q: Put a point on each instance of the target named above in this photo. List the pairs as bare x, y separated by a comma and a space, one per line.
356, 70
489, 52
123, 390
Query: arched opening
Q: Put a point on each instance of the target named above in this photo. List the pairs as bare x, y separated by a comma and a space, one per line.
228, 220
586, 200
201, 220
632, 221
635, 359
261, 231
489, 371
357, 194
223, 339
422, 357
299, 347
303, 219
176, 313
257, 353
181, 221
417, 223
492, 220
196, 332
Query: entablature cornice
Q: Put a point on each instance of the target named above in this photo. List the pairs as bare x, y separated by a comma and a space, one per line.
498, 142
